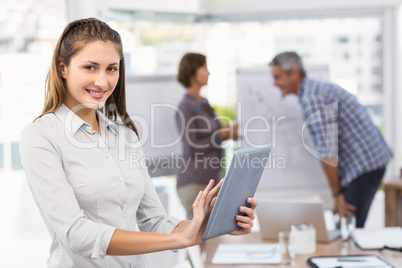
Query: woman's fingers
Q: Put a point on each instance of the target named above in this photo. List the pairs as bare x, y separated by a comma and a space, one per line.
212, 204
201, 208
214, 191
245, 220
203, 199
204, 194
207, 191
253, 203
210, 191
245, 224
197, 199
208, 188
249, 210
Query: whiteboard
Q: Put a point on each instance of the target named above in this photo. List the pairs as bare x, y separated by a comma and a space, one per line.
267, 117
152, 105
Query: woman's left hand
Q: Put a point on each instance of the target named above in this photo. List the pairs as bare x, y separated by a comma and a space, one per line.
246, 222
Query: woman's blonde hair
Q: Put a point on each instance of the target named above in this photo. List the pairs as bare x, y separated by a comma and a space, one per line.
74, 37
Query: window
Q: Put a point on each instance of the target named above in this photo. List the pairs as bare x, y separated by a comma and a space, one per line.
343, 39
155, 48
350, 46
29, 31
15, 156
1, 156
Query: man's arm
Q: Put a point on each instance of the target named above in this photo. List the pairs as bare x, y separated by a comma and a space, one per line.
330, 167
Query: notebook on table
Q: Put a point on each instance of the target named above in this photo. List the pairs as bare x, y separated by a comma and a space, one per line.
348, 261
390, 237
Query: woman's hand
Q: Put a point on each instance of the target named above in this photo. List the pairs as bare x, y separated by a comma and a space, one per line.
202, 207
246, 222
230, 131
205, 201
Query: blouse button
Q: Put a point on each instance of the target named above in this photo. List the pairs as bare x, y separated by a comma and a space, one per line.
120, 179
107, 156
122, 207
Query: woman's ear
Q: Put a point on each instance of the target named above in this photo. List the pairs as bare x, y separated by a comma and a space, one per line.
192, 80
63, 70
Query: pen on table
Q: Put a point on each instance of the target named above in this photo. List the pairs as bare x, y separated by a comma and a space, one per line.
350, 260
391, 248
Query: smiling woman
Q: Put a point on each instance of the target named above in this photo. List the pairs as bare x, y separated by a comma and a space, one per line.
100, 210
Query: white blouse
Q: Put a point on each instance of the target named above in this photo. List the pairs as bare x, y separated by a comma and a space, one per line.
86, 186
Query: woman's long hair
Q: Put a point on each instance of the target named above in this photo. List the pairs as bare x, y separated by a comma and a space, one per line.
74, 37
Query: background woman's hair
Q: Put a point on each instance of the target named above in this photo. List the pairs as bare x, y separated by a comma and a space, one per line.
188, 67
74, 37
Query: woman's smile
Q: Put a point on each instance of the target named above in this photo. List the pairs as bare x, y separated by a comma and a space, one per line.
96, 93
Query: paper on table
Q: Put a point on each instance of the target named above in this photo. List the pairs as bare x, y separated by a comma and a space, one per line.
350, 261
247, 253
378, 238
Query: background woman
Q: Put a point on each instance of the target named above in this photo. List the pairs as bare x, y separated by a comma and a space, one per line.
202, 132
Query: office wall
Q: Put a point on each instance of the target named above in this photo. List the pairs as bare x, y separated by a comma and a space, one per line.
151, 104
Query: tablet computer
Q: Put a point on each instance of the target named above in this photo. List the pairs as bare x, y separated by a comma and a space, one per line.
240, 182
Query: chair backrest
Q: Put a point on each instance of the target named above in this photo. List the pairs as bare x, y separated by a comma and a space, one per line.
183, 264
194, 253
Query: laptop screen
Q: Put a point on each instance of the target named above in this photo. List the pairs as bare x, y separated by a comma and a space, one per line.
276, 215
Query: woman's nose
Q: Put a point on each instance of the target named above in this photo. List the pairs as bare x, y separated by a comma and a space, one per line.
101, 80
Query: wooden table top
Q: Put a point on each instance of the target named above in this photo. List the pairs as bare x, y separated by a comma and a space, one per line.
322, 249
393, 185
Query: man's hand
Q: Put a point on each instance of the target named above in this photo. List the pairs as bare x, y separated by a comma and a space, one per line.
342, 208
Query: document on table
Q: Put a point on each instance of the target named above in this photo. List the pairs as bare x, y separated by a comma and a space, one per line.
351, 261
247, 254
378, 238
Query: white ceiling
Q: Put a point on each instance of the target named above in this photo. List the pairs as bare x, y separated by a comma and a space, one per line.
223, 10
236, 6
247, 6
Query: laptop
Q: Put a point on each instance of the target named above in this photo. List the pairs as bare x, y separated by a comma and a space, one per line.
276, 215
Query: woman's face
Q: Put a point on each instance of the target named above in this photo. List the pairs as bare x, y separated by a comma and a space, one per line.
92, 75
201, 76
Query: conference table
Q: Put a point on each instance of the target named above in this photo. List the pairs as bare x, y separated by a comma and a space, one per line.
393, 203
322, 249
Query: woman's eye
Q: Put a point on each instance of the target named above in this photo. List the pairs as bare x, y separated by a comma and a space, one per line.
112, 69
89, 67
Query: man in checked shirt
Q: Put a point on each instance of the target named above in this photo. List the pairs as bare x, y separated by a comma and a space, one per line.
352, 151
